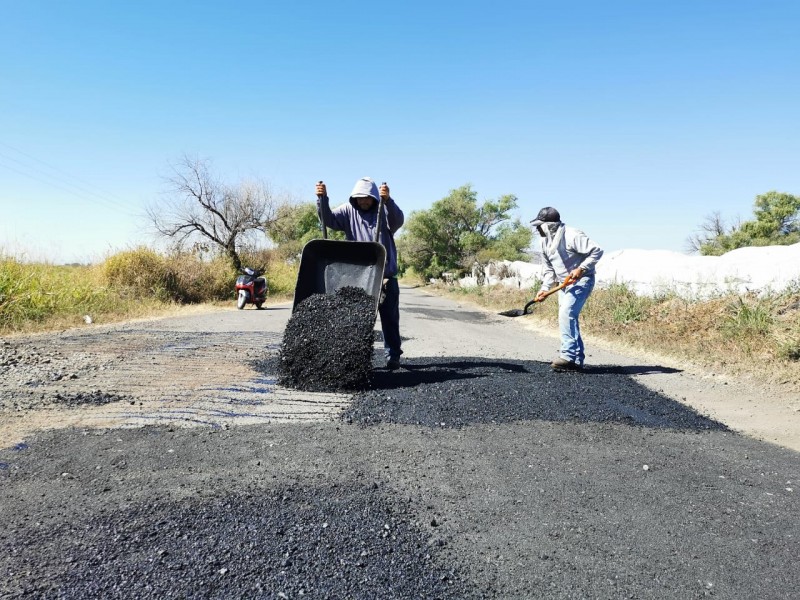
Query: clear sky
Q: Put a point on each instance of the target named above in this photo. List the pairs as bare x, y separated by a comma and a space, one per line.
635, 118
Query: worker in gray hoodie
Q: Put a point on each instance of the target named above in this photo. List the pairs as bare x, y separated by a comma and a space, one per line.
358, 218
569, 255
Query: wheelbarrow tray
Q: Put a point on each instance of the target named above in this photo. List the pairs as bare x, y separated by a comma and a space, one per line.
328, 265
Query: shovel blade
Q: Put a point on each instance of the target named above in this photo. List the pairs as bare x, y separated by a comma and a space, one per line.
514, 312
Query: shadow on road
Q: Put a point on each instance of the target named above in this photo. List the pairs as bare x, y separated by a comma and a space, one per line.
457, 392
628, 370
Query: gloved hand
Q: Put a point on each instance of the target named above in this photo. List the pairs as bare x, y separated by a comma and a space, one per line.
383, 292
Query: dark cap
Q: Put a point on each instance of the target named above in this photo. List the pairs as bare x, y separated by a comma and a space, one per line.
547, 215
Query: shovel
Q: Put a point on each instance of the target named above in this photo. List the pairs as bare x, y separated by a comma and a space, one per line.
518, 312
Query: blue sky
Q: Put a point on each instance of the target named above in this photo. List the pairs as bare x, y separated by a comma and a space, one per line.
635, 118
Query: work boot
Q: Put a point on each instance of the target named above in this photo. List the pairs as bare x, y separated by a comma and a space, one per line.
392, 363
562, 364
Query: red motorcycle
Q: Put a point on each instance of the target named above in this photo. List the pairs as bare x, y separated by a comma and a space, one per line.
251, 287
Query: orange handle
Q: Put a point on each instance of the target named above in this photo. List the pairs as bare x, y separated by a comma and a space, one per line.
561, 286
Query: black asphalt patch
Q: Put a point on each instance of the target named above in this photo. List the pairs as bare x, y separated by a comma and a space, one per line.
456, 392
339, 541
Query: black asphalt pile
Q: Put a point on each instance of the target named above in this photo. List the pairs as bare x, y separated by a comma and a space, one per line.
324, 542
456, 392
327, 344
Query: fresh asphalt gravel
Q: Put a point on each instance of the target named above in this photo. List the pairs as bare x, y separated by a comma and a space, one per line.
327, 344
471, 472
460, 391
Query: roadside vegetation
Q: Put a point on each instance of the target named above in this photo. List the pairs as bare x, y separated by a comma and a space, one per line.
129, 284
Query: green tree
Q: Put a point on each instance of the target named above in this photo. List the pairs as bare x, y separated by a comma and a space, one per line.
776, 222
456, 231
295, 225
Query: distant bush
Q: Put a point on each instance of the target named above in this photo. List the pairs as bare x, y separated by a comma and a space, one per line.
179, 277
624, 305
188, 279
130, 283
281, 274
142, 272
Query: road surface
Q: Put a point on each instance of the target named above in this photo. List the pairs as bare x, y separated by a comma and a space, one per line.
160, 459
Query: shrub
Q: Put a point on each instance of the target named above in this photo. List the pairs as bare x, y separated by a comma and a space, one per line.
281, 278
141, 271
190, 279
746, 319
625, 306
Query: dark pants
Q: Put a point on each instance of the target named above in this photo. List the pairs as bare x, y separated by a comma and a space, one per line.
390, 319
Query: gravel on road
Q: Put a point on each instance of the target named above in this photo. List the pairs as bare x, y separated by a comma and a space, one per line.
473, 471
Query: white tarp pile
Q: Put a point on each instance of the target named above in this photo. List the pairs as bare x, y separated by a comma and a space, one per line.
769, 269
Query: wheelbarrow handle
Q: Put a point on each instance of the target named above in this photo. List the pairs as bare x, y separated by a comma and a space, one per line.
380, 220
321, 222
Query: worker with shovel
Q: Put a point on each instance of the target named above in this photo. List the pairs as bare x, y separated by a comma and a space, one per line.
358, 219
570, 257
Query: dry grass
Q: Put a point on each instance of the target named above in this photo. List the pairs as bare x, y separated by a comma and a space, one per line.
737, 335
138, 283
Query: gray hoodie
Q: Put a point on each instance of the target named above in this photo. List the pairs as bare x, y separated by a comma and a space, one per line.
359, 225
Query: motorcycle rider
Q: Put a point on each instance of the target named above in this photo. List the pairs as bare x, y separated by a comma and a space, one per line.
568, 254
358, 218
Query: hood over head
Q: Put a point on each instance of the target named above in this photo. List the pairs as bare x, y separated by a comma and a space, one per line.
363, 188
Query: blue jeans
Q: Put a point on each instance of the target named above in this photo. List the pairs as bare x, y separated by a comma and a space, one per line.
570, 304
389, 311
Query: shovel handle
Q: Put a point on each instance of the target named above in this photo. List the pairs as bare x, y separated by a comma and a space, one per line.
560, 286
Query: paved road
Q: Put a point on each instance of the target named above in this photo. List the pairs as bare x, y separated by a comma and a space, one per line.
160, 459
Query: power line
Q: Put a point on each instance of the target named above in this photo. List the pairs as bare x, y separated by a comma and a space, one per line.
75, 189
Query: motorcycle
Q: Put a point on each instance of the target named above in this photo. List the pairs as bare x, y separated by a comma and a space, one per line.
251, 286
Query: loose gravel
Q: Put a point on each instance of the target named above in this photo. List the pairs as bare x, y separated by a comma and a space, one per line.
339, 541
457, 392
327, 344
30, 370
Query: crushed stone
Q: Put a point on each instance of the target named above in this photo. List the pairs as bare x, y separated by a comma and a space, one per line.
457, 392
333, 541
328, 342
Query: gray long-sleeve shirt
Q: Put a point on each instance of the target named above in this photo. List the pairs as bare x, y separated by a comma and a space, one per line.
572, 250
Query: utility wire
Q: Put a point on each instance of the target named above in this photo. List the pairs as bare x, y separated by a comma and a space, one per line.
81, 191
54, 168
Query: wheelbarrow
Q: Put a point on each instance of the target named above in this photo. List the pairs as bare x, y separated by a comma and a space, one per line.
518, 312
328, 265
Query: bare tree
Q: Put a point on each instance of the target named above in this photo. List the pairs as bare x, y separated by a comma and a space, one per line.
712, 227
200, 206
